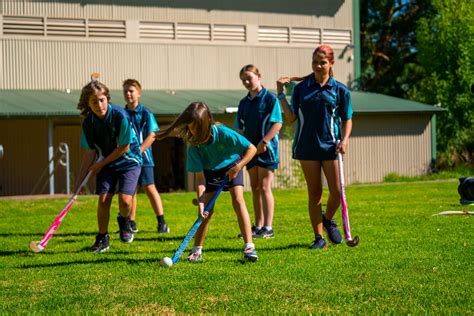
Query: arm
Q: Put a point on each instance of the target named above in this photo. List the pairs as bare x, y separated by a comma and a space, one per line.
249, 154
200, 190
347, 129
87, 161
261, 147
290, 117
147, 142
117, 153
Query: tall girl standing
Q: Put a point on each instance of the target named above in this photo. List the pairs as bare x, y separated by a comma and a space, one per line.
322, 108
259, 120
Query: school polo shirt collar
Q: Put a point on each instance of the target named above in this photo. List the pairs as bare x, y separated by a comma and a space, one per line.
331, 82
260, 94
136, 110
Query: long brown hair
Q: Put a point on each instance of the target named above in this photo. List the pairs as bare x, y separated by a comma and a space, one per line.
196, 113
327, 51
89, 89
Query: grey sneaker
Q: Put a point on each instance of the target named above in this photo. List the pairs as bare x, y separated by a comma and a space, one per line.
318, 242
264, 233
195, 256
250, 254
101, 244
255, 229
133, 226
163, 228
331, 230
126, 234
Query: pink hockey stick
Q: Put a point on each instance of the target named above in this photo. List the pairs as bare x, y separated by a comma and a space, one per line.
344, 212
38, 247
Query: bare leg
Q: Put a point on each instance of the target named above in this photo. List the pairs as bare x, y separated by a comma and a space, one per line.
133, 209
256, 196
202, 230
155, 199
265, 177
242, 213
312, 174
125, 204
103, 212
330, 168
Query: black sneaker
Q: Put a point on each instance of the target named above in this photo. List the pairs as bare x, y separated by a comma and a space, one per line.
163, 228
264, 233
255, 229
133, 226
332, 232
101, 244
126, 234
318, 243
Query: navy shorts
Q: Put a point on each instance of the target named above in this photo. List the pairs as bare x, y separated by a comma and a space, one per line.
147, 176
215, 177
106, 181
256, 162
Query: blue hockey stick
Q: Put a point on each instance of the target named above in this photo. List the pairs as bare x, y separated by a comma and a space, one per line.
177, 255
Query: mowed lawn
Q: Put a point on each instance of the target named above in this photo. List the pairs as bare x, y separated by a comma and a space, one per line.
407, 261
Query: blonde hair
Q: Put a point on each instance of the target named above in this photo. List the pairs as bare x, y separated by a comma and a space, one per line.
250, 68
196, 113
89, 89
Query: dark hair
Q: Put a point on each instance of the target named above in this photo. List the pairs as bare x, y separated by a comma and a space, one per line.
322, 49
132, 83
197, 113
89, 89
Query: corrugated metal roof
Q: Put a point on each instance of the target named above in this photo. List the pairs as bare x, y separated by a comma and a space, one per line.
48, 103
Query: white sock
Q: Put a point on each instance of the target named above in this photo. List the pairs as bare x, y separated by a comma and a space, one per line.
197, 249
268, 228
249, 245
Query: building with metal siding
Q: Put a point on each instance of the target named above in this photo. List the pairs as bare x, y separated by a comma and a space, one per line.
181, 52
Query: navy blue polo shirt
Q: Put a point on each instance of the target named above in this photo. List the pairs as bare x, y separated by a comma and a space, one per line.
106, 135
255, 117
226, 147
144, 123
319, 111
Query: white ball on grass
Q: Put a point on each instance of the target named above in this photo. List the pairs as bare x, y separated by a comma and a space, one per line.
166, 262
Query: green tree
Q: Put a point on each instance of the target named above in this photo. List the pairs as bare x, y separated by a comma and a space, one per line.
389, 44
445, 54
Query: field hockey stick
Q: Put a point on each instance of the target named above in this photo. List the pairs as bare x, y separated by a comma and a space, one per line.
192, 231
344, 211
38, 247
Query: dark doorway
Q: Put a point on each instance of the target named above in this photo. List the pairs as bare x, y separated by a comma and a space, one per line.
170, 164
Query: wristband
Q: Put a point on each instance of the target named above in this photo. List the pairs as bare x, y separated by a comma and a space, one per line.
281, 95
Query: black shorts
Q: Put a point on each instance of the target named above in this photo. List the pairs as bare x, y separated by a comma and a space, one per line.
214, 179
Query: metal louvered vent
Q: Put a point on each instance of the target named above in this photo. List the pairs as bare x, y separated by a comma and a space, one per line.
273, 34
337, 37
193, 31
22, 25
103, 28
305, 35
223, 32
65, 27
156, 30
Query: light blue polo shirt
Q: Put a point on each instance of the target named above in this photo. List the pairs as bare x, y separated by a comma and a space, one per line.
226, 147
144, 123
106, 135
255, 117
319, 111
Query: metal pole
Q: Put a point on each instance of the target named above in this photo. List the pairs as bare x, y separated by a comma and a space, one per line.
51, 157
64, 149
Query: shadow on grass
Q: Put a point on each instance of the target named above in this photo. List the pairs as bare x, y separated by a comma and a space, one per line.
98, 261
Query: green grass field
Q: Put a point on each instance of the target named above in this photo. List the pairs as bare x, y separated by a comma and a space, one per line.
408, 262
